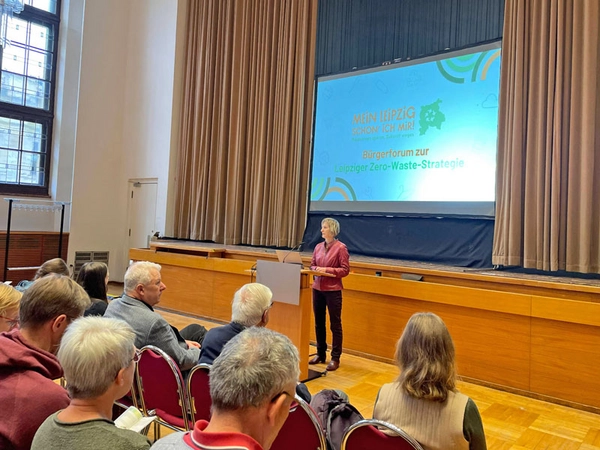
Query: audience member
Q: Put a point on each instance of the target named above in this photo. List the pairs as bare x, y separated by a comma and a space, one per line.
424, 400
250, 308
9, 307
98, 358
55, 265
27, 358
252, 388
143, 289
93, 277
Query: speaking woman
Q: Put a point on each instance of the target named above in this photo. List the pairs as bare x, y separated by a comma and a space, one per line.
330, 257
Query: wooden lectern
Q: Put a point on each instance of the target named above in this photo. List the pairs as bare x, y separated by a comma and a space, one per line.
287, 316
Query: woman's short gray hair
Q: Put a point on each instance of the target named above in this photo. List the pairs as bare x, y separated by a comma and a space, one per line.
253, 367
139, 273
91, 353
250, 303
334, 225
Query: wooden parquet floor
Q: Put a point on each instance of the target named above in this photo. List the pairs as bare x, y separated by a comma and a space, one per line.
511, 422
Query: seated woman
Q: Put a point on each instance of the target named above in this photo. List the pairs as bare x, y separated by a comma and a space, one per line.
424, 400
54, 265
98, 358
9, 307
93, 277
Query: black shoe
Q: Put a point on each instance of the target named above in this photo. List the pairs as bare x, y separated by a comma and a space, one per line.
316, 360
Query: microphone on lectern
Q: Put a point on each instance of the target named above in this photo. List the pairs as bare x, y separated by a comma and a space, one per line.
293, 249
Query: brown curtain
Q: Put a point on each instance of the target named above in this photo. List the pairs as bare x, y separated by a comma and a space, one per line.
246, 123
548, 181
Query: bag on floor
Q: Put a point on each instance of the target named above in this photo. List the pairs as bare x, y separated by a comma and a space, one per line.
336, 415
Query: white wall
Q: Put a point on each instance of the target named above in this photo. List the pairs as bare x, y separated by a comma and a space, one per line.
98, 188
149, 100
124, 119
119, 75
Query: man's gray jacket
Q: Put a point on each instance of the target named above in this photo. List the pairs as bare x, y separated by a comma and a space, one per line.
152, 329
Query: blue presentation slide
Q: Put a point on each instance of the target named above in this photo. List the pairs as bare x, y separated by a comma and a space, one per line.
416, 133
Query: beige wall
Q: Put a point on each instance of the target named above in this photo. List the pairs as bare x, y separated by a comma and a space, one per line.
124, 120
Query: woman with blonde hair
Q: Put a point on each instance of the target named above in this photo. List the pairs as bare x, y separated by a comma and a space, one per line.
424, 401
9, 307
331, 258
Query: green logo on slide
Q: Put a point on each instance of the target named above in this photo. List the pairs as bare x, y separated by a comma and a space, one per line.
322, 188
431, 116
462, 68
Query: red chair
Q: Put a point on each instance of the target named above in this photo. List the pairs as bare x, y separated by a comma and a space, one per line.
161, 390
128, 399
131, 398
366, 435
301, 431
199, 392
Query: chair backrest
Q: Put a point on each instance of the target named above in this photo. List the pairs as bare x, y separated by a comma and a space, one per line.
367, 434
199, 392
302, 430
129, 399
161, 388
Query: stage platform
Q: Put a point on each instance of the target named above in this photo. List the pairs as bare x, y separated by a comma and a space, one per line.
530, 334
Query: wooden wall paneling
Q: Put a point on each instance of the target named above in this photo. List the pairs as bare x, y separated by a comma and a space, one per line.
173, 259
50, 247
25, 250
564, 361
188, 290
30, 249
372, 323
585, 313
490, 300
225, 286
239, 267
502, 281
490, 346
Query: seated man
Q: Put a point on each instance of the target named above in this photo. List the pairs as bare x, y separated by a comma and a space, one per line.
27, 361
250, 308
98, 357
252, 388
143, 288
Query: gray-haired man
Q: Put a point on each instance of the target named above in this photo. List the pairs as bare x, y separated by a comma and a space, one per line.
250, 308
252, 386
143, 289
